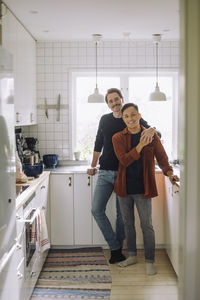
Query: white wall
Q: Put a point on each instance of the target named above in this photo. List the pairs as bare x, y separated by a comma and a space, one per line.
190, 175
55, 61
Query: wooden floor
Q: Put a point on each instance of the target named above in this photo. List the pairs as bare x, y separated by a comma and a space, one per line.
131, 283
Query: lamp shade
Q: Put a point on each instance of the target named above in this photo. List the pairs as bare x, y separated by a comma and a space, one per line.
157, 95
96, 97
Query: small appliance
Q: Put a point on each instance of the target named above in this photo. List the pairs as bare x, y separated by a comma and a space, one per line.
30, 152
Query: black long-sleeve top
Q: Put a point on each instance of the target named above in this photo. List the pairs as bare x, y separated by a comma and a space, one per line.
108, 126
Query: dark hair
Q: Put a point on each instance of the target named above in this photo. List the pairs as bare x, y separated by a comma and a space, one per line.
113, 90
127, 105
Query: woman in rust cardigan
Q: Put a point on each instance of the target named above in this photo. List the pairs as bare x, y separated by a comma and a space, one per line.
136, 183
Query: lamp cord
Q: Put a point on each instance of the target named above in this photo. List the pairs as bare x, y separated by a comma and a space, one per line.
156, 64
96, 63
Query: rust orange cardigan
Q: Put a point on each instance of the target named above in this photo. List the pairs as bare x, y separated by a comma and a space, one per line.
126, 156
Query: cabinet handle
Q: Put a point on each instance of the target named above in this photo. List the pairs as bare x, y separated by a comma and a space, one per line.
70, 181
31, 117
42, 187
17, 117
19, 246
33, 274
88, 180
19, 275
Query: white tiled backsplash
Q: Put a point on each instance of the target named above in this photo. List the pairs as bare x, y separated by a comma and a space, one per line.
56, 59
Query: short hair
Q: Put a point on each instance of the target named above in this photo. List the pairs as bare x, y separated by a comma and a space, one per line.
113, 90
127, 105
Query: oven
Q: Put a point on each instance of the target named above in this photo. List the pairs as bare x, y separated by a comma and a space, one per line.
30, 223
30, 220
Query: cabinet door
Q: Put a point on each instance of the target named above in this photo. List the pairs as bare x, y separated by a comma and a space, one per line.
82, 209
44, 202
175, 232
172, 223
61, 202
25, 103
44, 192
23, 48
98, 238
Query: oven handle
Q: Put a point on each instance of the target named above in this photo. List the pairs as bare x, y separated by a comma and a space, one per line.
30, 221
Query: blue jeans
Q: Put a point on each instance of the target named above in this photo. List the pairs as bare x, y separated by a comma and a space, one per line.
144, 210
103, 190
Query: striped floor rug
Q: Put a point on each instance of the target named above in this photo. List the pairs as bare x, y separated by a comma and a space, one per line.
74, 274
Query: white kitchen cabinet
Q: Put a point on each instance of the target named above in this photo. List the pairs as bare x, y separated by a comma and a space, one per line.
23, 48
71, 219
62, 209
27, 251
82, 209
172, 223
44, 195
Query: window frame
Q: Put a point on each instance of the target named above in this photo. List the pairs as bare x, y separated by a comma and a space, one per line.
124, 81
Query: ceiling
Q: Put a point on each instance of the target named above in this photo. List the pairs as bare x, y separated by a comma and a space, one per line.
79, 19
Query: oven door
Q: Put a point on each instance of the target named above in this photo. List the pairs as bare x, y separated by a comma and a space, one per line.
32, 253
31, 234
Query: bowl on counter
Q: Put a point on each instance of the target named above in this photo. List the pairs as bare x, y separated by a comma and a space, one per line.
33, 170
50, 160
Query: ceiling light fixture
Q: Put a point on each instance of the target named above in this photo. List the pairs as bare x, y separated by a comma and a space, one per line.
96, 97
157, 95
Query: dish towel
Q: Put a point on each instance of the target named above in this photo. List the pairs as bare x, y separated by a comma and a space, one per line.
44, 243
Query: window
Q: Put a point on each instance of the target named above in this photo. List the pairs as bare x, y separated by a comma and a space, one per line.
157, 114
87, 115
136, 88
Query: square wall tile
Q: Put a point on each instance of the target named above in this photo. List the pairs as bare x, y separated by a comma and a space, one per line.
56, 59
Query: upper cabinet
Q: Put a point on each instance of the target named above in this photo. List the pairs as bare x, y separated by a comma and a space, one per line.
23, 48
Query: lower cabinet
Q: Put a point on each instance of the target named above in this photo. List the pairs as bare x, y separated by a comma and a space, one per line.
172, 223
62, 209
71, 219
28, 256
82, 209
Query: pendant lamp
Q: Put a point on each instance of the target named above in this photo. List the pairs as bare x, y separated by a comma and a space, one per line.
96, 97
157, 95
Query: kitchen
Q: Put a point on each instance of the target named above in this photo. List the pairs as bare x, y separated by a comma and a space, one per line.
52, 83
